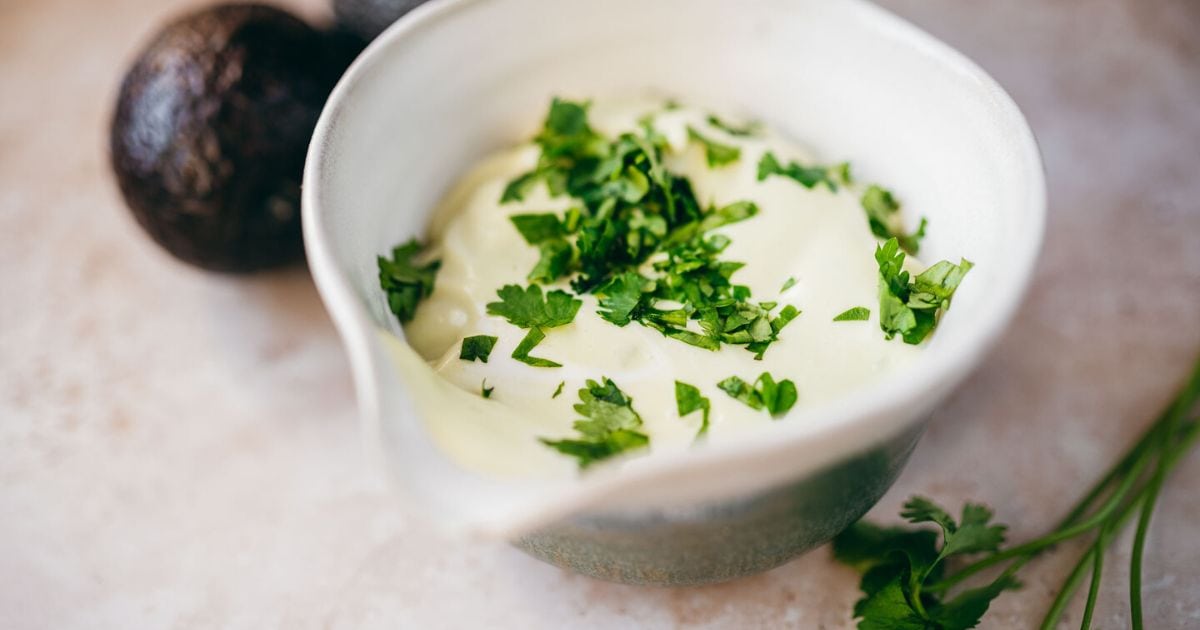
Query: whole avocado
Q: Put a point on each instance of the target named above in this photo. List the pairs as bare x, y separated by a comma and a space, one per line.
211, 128
369, 18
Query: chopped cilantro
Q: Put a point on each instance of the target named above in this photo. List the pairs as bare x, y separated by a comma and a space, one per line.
610, 426
856, 314
910, 308
558, 390
750, 129
807, 176
554, 259
883, 215
484, 390
538, 228
689, 399
715, 153
631, 208
477, 348
527, 308
787, 284
519, 187
776, 398
405, 282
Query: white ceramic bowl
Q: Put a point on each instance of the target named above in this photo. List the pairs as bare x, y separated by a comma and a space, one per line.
458, 79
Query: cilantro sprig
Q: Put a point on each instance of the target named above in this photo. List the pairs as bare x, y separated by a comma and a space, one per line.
404, 281
609, 428
908, 582
899, 563
528, 308
910, 307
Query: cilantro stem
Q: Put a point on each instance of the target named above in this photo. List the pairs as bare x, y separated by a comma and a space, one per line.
1175, 416
1068, 589
1098, 549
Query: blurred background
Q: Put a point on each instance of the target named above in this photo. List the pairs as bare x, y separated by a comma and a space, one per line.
178, 449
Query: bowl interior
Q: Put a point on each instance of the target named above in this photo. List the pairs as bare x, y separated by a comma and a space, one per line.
458, 79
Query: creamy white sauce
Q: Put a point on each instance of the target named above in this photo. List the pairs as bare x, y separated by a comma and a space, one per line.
818, 237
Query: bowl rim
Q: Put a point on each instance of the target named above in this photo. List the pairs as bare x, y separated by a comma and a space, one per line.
949, 366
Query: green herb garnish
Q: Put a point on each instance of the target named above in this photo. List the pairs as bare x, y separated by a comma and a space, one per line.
883, 215
787, 284
749, 129
484, 390
715, 153
906, 584
910, 308
898, 565
807, 176
538, 228
630, 209
609, 428
558, 390
405, 282
689, 399
527, 308
477, 348
856, 314
776, 398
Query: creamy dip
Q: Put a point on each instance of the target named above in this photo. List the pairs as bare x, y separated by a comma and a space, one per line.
816, 240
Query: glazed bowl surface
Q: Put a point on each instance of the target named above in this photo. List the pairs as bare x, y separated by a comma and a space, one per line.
458, 79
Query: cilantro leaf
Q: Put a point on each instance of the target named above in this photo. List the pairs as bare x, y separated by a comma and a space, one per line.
404, 281
715, 153
526, 308
742, 391
750, 129
883, 215
609, 428
935, 286
787, 284
807, 176
484, 390
776, 398
558, 390
621, 297
689, 399
855, 314
554, 259
528, 342
888, 608
477, 348
973, 535
520, 186
537, 228
968, 608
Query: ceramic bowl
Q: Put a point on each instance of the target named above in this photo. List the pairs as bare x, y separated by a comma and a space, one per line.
458, 79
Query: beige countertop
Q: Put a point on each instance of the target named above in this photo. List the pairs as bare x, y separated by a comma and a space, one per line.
179, 450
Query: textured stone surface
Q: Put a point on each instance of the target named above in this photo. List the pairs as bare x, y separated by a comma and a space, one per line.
178, 450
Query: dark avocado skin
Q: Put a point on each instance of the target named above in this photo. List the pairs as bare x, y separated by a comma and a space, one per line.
211, 128
369, 18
